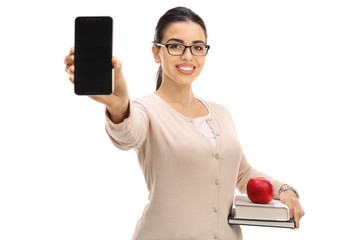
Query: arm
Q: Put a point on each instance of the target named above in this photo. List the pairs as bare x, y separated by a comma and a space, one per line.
246, 172
288, 197
126, 125
131, 131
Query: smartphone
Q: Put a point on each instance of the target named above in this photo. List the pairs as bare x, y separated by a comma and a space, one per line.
93, 53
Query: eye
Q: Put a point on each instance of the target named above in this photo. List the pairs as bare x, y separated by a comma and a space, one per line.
175, 46
199, 48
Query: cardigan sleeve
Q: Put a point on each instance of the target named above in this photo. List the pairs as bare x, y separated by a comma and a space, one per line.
246, 172
131, 132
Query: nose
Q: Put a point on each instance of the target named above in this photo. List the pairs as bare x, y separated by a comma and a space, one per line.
187, 55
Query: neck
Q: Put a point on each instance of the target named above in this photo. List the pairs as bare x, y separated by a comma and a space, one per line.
176, 93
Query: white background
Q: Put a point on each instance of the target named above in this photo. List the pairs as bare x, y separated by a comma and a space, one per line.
288, 71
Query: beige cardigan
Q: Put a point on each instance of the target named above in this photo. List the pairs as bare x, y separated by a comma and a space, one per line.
191, 183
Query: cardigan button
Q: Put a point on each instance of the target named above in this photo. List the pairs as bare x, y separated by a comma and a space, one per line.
217, 156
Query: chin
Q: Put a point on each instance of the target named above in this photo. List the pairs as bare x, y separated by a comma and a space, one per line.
185, 81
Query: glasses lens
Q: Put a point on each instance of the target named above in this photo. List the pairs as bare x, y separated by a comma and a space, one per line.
176, 49
199, 50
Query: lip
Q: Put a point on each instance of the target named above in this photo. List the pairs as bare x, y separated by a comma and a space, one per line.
186, 68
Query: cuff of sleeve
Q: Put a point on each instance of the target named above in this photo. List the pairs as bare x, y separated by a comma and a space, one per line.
120, 133
122, 126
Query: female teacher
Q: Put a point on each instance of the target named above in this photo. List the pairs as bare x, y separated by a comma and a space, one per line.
187, 147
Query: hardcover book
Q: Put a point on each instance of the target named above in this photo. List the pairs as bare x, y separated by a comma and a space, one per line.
273, 214
274, 210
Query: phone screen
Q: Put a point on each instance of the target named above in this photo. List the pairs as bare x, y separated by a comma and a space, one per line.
93, 53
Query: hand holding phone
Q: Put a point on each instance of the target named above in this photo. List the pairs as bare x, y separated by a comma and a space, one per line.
117, 103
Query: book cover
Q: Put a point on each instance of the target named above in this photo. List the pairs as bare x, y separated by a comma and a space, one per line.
246, 209
260, 223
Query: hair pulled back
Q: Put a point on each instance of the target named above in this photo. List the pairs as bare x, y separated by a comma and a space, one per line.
178, 14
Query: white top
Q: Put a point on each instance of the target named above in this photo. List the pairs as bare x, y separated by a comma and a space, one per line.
204, 127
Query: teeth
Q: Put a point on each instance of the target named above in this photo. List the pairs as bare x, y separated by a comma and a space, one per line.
186, 68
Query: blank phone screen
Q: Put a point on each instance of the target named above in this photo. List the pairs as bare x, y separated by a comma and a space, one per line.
93, 53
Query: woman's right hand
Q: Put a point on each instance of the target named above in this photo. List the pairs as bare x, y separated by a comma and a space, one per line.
118, 102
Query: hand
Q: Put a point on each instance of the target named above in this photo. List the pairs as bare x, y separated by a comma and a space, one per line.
118, 102
289, 198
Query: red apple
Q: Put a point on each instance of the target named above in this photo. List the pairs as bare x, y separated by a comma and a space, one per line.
259, 190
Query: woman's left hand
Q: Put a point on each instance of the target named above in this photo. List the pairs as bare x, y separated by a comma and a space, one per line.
289, 199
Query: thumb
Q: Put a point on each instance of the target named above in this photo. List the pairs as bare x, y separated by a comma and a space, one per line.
120, 86
118, 75
117, 64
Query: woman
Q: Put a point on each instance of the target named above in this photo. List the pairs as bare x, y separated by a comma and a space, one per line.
187, 147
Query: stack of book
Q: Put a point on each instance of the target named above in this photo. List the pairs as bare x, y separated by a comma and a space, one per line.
272, 214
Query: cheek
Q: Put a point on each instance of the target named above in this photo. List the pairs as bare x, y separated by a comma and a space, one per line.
202, 62
164, 56
166, 62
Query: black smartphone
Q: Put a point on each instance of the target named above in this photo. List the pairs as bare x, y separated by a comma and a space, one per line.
93, 53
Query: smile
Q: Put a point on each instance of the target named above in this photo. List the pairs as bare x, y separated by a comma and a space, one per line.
185, 68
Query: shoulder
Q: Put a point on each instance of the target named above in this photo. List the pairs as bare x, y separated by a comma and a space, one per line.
144, 102
149, 103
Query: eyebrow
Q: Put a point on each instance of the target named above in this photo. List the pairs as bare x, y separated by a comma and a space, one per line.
182, 41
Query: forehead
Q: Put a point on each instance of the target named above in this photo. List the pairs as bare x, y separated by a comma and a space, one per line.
186, 31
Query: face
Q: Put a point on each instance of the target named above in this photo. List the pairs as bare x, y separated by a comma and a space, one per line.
186, 68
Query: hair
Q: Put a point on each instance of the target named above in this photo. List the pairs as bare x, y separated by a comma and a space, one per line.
178, 14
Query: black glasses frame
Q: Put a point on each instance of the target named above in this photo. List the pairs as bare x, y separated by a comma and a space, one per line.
185, 47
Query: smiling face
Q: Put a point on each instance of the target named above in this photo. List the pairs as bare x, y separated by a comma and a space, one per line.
186, 68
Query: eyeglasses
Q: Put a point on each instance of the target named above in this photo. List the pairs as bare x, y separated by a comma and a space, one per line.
177, 49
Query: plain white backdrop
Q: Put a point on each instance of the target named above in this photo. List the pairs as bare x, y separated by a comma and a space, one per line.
288, 71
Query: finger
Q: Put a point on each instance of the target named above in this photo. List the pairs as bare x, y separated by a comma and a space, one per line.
72, 50
71, 78
299, 213
297, 221
71, 69
69, 59
291, 212
118, 75
117, 65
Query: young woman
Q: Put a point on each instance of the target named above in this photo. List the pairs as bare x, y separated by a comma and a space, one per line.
187, 147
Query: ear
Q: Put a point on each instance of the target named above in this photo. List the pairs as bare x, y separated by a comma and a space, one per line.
156, 53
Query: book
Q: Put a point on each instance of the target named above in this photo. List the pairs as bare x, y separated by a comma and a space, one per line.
246, 209
260, 223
